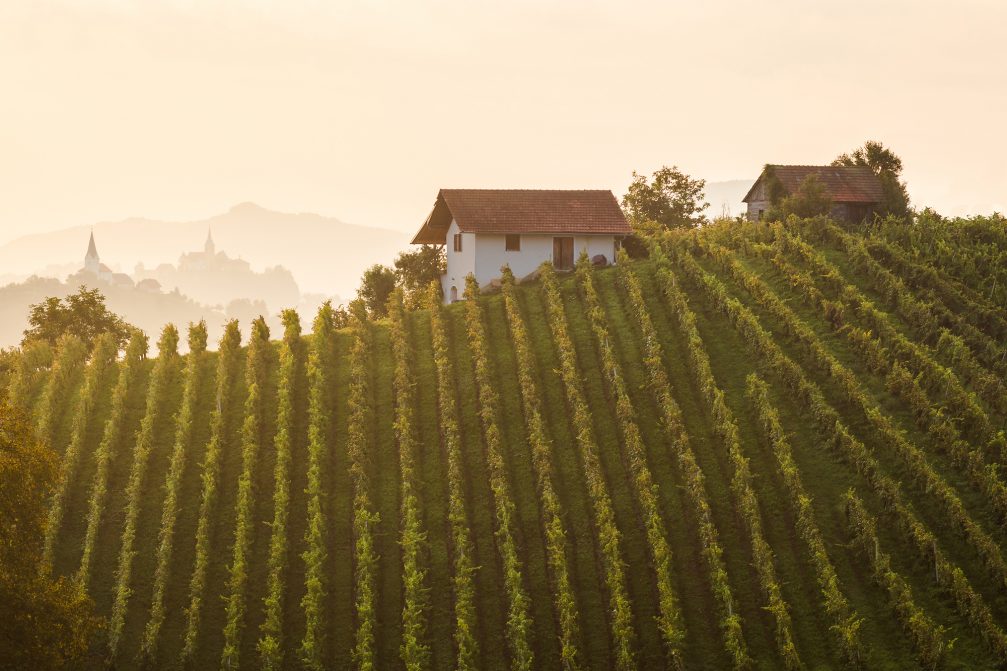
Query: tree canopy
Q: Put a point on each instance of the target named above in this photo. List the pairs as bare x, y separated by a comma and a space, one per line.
888, 167
670, 197
415, 270
82, 314
809, 200
44, 621
376, 286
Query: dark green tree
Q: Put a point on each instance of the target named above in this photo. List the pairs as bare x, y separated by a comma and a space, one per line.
670, 197
45, 621
809, 200
415, 270
376, 286
888, 167
82, 314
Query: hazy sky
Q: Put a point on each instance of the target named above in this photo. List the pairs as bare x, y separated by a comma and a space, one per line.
362, 110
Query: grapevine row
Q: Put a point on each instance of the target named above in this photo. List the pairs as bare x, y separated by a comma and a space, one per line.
552, 512
644, 488
228, 362
256, 378
929, 639
270, 646
845, 621
71, 354
972, 249
518, 618
100, 367
848, 447
927, 317
900, 381
695, 484
157, 395
30, 367
925, 276
609, 537
321, 364
464, 589
364, 516
414, 652
935, 376
169, 511
923, 473
746, 502
130, 371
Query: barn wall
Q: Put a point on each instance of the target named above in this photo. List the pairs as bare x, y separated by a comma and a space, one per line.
753, 209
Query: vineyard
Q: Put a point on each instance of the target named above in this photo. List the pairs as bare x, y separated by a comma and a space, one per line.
763, 447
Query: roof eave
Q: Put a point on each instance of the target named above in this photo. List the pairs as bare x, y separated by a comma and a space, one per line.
751, 190
428, 233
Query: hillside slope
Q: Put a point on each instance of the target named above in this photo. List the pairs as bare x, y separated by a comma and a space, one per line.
763, 447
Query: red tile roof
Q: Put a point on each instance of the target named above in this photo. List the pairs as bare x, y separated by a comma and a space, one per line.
504, 211
844, 183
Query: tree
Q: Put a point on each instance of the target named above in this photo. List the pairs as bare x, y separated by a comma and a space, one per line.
415, 270
809, 200
376, 286
44, 621
888, 167
671, 198
82, 314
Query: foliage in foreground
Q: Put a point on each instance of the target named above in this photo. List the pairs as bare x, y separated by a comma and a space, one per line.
47, 620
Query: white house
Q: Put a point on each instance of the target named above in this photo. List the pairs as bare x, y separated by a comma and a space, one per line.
485, 229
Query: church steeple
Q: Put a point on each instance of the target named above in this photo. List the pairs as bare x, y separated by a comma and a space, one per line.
92, 251
209, 248
92, 263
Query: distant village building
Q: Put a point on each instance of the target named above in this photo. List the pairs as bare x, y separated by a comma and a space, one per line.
93, 265
213, 278
855, 191
211, 259
94, 269
485, 229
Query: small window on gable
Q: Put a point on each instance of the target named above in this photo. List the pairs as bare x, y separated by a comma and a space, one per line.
458, 242
513, 243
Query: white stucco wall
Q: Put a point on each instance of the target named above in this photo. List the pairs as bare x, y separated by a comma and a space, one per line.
459, 264
484, 255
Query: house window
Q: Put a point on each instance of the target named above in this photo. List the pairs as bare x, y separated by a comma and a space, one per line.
513, 243
458, 242
761, 214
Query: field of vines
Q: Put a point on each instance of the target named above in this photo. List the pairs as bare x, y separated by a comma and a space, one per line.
761, 447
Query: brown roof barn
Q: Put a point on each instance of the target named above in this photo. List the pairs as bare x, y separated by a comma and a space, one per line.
855, 190
540, 211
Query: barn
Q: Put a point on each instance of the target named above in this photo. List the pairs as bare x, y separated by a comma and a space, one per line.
855, 190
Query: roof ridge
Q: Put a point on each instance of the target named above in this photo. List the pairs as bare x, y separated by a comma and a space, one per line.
527, 190
805, 165
562, 211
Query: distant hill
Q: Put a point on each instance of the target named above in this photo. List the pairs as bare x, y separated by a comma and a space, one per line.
727, 195
602, 426
324, 254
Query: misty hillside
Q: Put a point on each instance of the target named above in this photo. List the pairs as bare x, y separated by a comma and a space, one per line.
325, 255
725, 197
765, 448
